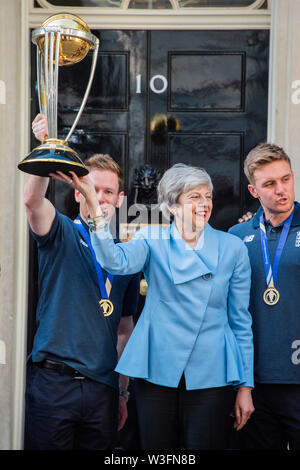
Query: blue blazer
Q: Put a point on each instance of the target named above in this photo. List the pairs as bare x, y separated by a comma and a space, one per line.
195, 319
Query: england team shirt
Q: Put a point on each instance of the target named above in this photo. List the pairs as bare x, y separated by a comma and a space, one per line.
71, 327
276, 328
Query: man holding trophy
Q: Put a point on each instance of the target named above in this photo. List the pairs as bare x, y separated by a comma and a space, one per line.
72, 394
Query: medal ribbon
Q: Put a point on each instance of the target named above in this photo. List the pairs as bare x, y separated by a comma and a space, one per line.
271, 273
105, 287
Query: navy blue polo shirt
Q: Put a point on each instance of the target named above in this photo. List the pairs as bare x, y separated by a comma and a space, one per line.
71, 327
276, 329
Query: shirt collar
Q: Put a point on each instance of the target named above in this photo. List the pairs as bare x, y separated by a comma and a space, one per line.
295, 221
84, 223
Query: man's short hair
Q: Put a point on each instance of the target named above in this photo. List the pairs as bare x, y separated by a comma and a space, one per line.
102, 161
263, 154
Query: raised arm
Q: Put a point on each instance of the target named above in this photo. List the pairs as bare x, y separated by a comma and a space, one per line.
123, 258
40, 212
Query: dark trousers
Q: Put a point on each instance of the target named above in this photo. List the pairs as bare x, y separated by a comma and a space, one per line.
176, 418
64, 413
275, 423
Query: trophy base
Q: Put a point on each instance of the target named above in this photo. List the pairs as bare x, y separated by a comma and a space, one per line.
51, 156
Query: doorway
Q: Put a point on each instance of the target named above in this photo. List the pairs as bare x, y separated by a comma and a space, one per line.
164, 97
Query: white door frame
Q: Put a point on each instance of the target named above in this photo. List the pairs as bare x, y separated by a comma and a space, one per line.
99, 18
177, 18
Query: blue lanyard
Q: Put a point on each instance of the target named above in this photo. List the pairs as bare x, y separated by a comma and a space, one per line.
271, 273
110, 277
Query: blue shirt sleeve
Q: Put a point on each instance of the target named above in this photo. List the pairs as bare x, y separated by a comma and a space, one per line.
121, 258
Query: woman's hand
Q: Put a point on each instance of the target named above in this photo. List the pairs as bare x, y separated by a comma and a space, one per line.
243, 407
85, 186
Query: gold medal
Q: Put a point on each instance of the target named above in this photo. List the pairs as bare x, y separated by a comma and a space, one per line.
107, 307
271, 296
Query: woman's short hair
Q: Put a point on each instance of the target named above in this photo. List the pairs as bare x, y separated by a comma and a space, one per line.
177, 180
263, 154
100, 161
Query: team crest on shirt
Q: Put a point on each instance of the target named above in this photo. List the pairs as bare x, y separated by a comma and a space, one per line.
297, 242
248, 238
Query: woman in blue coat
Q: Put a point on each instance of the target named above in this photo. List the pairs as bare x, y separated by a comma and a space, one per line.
191, 351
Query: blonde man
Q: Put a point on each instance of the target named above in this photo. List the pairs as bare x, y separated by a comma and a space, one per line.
272, 237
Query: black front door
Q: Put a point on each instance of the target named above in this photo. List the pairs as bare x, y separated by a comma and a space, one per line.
216, 101
163, 97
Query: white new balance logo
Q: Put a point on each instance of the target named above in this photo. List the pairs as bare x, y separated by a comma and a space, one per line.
248, 238
297, 242
83, 243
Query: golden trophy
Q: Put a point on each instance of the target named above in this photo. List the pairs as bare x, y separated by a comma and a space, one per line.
63, 39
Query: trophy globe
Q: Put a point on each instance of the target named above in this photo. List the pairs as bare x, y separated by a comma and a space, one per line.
63, 39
